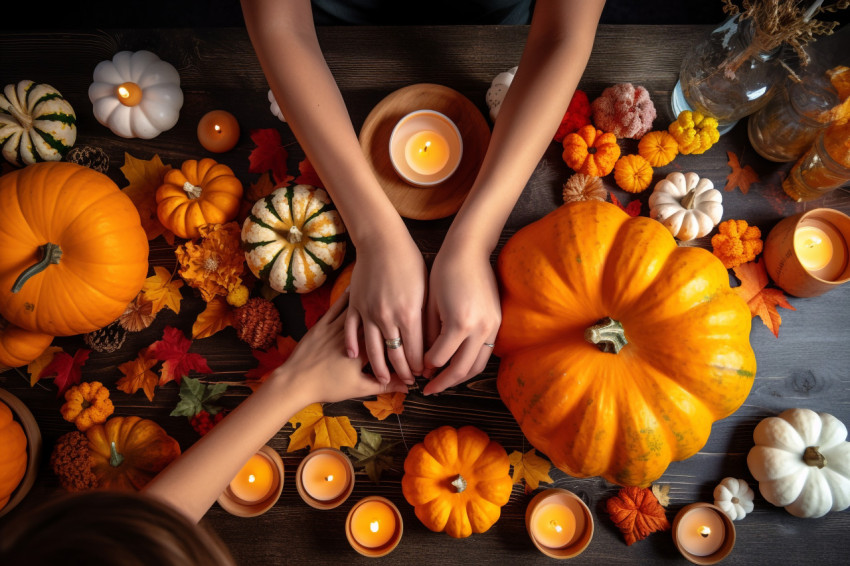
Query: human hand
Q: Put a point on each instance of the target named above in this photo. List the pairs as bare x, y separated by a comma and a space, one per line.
387, 297
463, 316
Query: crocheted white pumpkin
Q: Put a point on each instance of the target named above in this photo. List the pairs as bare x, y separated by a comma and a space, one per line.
498, 89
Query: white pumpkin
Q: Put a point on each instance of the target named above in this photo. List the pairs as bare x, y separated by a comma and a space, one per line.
734, 497
36, 123
275, 107
802, 462
497, 91
689, 206
293, 238
136, 94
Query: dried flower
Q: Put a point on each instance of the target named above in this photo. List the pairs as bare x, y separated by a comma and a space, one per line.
258, 323
215, 265
71, 462
238, 296
581, 187
138, 315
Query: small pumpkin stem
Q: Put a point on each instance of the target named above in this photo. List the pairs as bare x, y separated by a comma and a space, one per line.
735, 500
608, 335
688, 200
814, 458
115, 459
591, 150
50, 253
294, 235
192, 191
459, 483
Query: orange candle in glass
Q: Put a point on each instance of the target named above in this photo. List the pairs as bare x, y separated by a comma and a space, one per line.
218, 131
254, 481
374, 526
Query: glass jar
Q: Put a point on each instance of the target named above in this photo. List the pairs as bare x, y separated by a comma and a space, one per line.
786, 126
729, 75
823, 168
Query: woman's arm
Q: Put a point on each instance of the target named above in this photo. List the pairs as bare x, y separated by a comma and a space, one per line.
462, 318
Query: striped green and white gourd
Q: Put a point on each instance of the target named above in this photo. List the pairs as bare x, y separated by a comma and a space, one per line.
294, 238
36, 123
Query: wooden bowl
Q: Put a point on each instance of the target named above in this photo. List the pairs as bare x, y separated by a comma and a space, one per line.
23, 415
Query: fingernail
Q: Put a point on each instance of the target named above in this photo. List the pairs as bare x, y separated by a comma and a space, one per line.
351, 353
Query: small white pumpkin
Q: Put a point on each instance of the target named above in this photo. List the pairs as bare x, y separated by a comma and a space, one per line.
36, 123
689, 206
275, 107
734, 497
293, 238
136, 94
802, 462
497, 91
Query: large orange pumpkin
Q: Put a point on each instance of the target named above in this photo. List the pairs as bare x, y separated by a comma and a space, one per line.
623, 398
19, 346
74, 251
13, 454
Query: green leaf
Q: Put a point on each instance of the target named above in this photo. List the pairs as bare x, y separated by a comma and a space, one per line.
196, 397
373, 454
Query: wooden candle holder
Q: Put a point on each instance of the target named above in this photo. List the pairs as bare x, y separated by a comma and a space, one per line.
720, 553
236, 506
316, 503
381, 550
579, 543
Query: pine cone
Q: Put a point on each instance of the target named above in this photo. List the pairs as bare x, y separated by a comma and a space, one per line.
71, 462
107, 339
257, 322
89, 156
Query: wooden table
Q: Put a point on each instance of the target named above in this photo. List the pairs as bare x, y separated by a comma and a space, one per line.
807, 366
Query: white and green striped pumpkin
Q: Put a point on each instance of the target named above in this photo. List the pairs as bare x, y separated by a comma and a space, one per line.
293, 238
36, 123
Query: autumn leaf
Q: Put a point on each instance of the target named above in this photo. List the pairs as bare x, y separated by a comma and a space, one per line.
264, 186
316, 303
662, 493
67, 369
373, 454
386, 404
145, 177
163, 291
269, 155
531, 467
761, 300
308, 175
269, 360
637, 513
138, 375
196, 397
739, 177
217, 316
177, 361
36, 366
319, 431
632, 209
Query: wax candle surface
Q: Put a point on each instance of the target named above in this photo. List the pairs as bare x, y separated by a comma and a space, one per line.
554, 525
427, 152
129, 94
813, 247
254, 481
218, 131
425, 148
373, 524
325, 476
701, 531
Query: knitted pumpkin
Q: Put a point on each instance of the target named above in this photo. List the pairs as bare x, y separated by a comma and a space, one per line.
658, 148
87, 404
632, 173
577, 115
625, 110
694, 132
591, 151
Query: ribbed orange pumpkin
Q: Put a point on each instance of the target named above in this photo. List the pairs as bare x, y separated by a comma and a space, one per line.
624, 398
84, 239
19, 346
13, 454
200, 192
591, 151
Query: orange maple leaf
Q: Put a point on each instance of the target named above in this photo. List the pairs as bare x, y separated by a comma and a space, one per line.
637, 513
138, 375
145, 177
386, 404
531, 467
163, 290
217, 316
36, 366
739, 177
762, 301
269, 360
319, 431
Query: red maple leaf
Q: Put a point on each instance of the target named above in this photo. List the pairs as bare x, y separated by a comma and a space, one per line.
177, 361
269, 154
269, 360
315, 304
308, 175
68, 370
632, 209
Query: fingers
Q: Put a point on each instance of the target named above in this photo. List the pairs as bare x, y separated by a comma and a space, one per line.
441, 351
352, 340
469, 361
397, 356
337, 307
375, 347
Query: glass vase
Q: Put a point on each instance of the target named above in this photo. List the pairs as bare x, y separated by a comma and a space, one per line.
823, 168
729, 75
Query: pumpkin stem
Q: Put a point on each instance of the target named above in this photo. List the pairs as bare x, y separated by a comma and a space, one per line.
294, 235
115, 459
192, 191
50, 253
688, 200
608, 335
814, 458
459, 483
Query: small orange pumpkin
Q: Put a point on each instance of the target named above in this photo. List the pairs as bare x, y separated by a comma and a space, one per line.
457, 480
127, 452
200, 192
343, 280
13, 454
632, 173
659, 148
19, 346
591, 151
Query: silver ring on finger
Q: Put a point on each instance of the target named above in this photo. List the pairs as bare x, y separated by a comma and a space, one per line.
393, 343
489, 345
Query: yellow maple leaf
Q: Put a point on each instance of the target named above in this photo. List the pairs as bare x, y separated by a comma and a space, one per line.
138, 375
163, 291
217, 316
36, 366
531, 467
386, 404
145, 177
319, 431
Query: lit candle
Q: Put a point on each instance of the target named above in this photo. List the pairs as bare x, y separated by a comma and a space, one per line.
325, 478
559, 523
425, 148
129, 94
254, 481
373, 523
554, 525
703, 533
218, 131
813, 247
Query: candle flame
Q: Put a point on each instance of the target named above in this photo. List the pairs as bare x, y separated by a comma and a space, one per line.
330, 478
123, 92
374, 526
814, 241
554, 524
251, 478
704, 531
217, 128
427, 145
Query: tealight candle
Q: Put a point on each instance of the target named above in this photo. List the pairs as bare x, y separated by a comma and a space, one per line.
703, 533
813, 247
325, 478
254, 480
425, 148
559, 523
374, 526
218, 131
256, 487
128, 94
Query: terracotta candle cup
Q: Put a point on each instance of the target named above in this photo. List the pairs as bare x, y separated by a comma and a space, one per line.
374, 526
325, 478
257, 486
559, 523
425, 148
703, 533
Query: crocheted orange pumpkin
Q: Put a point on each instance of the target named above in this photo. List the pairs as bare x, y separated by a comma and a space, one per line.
659, 148
632, 173
591, 151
